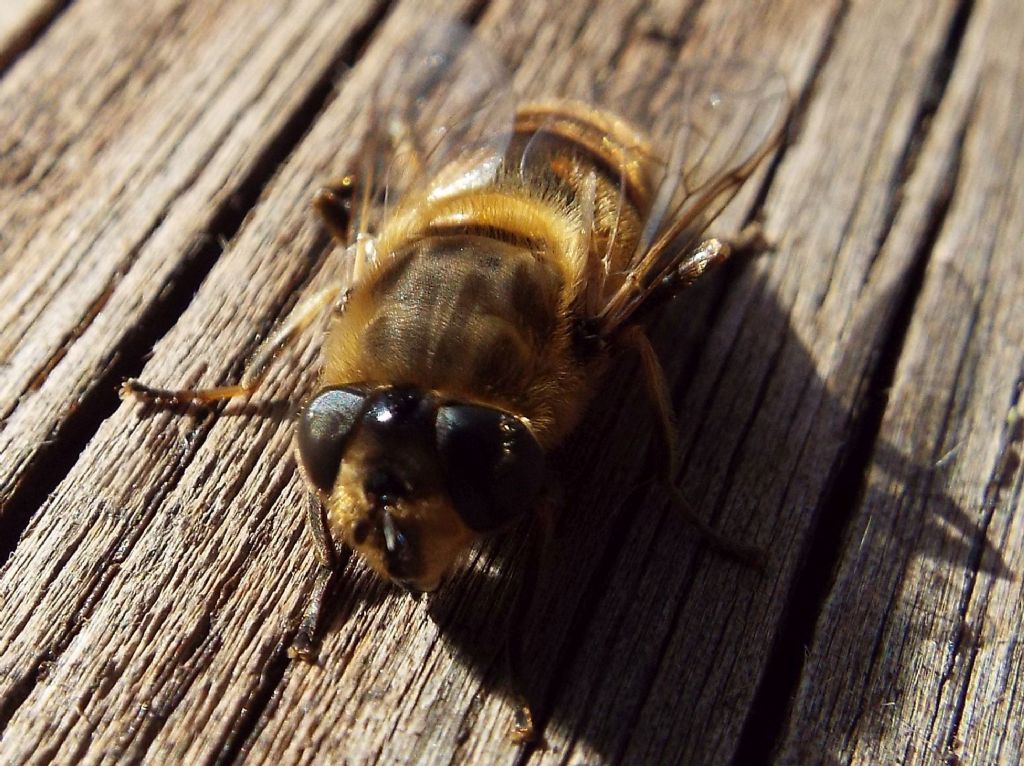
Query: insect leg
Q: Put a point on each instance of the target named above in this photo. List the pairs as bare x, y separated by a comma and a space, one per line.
523, 729
333, 202
645, 289
304, 644
316, 522
534, 560
708, 254
300, 318
658, 394
305, 638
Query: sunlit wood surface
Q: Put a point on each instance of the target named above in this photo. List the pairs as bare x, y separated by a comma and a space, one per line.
851, 402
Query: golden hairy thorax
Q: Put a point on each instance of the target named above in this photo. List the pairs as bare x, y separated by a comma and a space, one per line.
477, 283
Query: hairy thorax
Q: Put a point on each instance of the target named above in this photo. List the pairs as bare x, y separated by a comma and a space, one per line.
470, 317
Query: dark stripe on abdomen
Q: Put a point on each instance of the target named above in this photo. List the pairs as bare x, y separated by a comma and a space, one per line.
565, 137
487, 231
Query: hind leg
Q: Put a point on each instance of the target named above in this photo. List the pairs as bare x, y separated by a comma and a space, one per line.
658, 394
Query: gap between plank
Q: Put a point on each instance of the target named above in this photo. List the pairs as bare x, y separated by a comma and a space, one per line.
30, 33
813, 579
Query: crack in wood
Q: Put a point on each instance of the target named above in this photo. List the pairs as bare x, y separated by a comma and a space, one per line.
258, 701
877, 398
942, 72
993, 497
764, 727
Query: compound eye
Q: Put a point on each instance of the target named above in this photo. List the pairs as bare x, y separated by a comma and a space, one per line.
324, 427
400, 413
493, 464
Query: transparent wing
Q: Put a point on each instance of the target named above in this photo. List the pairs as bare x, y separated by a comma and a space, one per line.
710, 125
441, 92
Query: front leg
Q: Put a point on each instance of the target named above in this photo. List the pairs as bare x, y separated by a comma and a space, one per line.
535, 559
524, 729
303, 646
300, 318
333, 202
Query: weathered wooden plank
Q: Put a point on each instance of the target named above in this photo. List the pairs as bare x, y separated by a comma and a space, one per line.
139, 181
916, 657
118, 177
20, 20
148, 607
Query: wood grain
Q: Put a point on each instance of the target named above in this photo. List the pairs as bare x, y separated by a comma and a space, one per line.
115, 188
915, 659
20, 21
842, 403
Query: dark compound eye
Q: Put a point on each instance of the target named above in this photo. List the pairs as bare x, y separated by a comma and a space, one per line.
494, 466
400, 413
324, 427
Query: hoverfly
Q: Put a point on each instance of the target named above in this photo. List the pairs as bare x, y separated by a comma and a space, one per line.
499, 250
